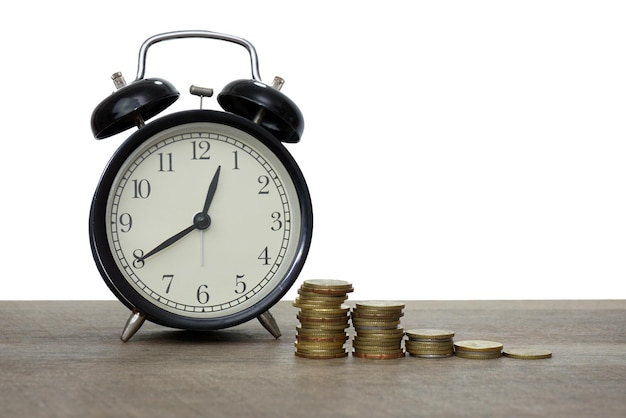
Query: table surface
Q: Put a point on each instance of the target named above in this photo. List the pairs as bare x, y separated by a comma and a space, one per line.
65, 359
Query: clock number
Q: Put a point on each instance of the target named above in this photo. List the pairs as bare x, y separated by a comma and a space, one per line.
169, 277
264, 256
126, 221
165, 162
278, 223
236, 167
138, 261
200, 150
264, 181
141, 189
202, 294
239, 282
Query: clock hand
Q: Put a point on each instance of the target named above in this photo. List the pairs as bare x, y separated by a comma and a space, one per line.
211, 192
167, 242
200, 221
204, 216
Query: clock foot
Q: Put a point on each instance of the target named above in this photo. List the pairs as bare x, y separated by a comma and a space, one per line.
267, 320
135, 321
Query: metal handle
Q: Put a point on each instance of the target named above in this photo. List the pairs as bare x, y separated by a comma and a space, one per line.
143, 51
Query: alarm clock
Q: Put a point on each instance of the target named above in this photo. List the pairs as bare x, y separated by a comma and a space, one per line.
202, 219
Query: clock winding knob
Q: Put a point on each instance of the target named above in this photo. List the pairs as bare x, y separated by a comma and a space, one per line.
202, 92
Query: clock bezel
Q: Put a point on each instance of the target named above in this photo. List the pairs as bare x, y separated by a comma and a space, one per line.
116, 280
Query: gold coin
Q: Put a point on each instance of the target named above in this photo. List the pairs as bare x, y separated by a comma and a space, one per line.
376, 344
429, 334
429, 350
305, 323
312, 305
314, 349
310, 294
477, 355
379, 332
379, 305
440, 354
392, 349
382, 339
377, 310
341, 311
315, 331
323, 338
359, 322
330, 319
322, 302
376, 356
430, 355
323, 291
327, 284
329, 310
374, 328
376, 314
333, 349
429, 343
316, 345
524, 353
321, 355
478, 346
324, 326
322, 283
306, 338
311, 317
428, 346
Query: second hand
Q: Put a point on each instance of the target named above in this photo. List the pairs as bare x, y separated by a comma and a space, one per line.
201, 248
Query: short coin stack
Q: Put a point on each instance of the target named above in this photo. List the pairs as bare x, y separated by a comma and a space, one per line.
323, 318
429, 343
527, 353
378, 334
478, 349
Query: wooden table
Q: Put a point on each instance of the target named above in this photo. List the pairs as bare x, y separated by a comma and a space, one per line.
65, 359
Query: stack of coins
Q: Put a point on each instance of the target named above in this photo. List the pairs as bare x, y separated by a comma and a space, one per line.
527, 353
429, 343
478, 349
323, 318
378, 334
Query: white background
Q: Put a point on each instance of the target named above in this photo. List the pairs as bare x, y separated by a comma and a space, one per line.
454, 149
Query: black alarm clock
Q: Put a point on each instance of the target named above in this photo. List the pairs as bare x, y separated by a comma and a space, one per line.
202, 219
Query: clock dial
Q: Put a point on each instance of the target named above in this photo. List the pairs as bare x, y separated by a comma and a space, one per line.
204, 221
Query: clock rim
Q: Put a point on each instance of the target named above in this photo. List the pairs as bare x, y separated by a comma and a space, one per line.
115, 279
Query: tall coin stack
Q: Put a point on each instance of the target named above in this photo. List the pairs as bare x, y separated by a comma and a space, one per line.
429, 343
378, 334
323, 318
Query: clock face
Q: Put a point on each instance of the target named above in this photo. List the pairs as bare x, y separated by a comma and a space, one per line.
206, 222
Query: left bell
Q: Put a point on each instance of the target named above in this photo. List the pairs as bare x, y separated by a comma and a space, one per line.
131, 105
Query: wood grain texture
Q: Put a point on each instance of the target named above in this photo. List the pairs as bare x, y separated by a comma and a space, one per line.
65, 359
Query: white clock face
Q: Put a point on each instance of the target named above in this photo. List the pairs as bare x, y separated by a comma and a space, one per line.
203, 220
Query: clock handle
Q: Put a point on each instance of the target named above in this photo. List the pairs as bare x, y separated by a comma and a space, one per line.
269, 323
143, 51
